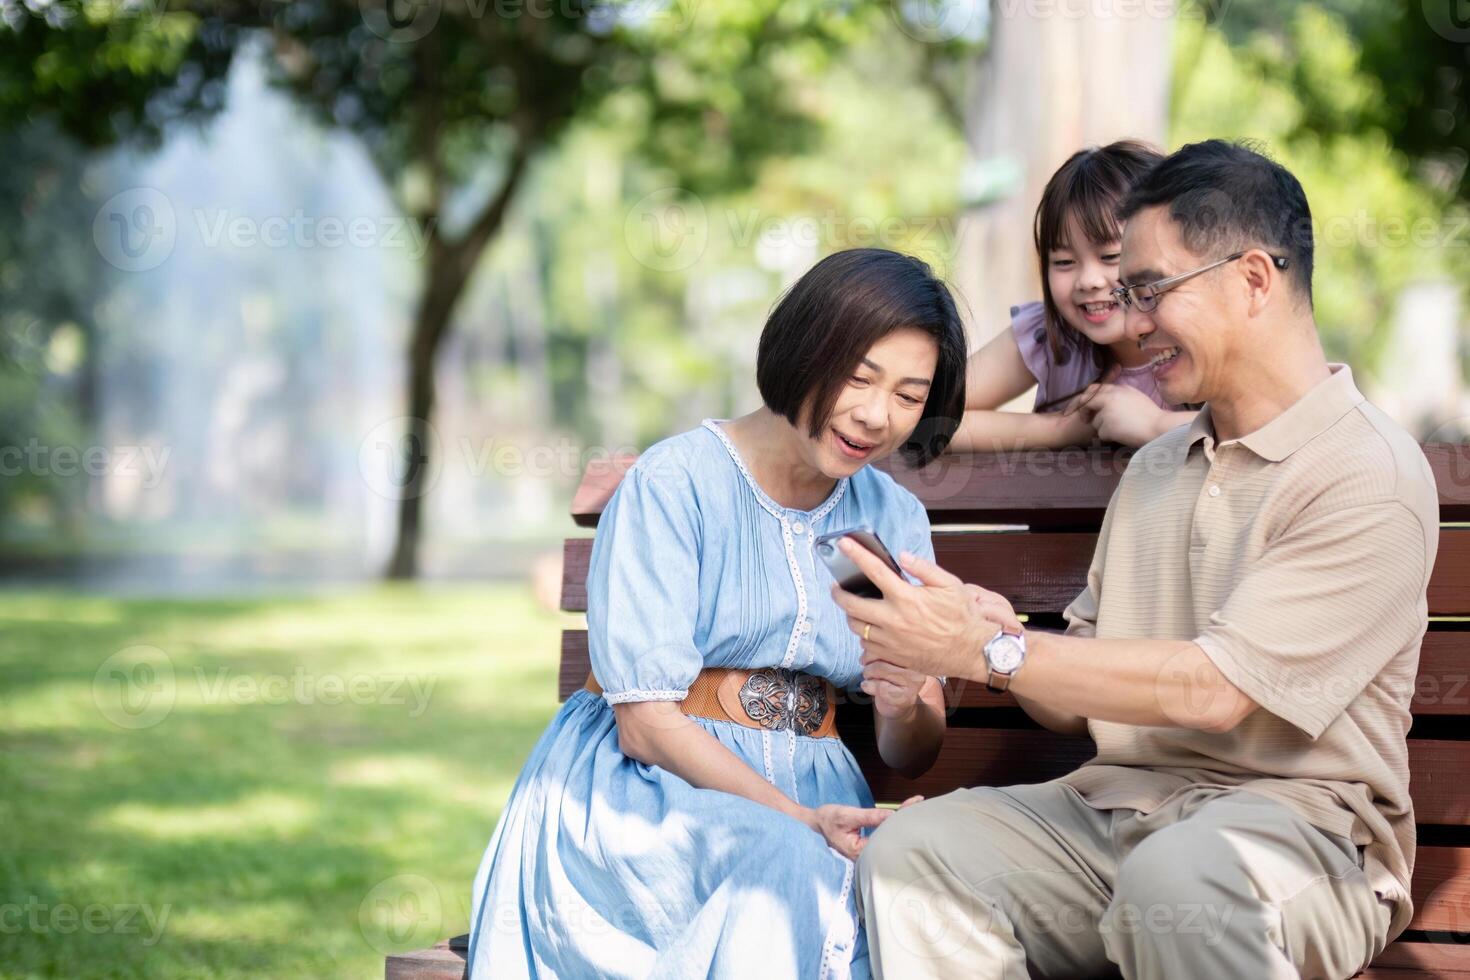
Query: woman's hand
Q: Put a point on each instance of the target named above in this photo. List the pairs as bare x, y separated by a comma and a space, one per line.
843, 826
894, 690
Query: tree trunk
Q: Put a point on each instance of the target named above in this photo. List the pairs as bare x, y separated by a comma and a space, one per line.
430, 325
447, 270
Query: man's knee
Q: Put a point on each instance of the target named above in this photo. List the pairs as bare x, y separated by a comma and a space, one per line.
1179, 881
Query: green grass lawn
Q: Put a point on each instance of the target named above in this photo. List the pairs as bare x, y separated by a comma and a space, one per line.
259, 787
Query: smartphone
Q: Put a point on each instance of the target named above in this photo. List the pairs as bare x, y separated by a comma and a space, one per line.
847, 574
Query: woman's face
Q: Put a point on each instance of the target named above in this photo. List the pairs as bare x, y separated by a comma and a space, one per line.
1081, 277
879, 407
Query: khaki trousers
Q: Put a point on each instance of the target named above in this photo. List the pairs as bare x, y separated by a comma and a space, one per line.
1030, 880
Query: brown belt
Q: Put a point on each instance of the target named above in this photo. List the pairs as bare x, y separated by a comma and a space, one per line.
769, 699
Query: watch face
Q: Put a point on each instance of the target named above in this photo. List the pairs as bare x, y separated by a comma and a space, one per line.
1005, 653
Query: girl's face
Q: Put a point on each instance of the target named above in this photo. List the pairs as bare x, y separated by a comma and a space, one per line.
1081, 276
879, 408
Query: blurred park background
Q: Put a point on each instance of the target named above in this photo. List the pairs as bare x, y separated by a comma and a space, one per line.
312, 313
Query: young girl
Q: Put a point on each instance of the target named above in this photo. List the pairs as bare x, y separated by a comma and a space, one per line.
1092, 382
693, 811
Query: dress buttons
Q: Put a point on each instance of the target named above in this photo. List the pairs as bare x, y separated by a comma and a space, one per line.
806, 625
798, 527
1214, 490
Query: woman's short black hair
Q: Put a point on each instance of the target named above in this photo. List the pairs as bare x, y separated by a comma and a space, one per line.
831, 317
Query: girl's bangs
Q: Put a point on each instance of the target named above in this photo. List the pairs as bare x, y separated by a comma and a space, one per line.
1092, 203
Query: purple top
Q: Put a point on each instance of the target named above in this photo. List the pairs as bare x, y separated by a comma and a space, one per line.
1076, 369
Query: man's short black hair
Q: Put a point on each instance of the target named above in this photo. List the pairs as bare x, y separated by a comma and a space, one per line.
1229, 196
828, 320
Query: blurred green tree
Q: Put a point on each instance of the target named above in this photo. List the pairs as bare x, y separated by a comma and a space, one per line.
452, 100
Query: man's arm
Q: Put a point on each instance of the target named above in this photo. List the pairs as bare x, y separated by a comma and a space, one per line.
997, 609
1050, 718
941, 629
1163, 683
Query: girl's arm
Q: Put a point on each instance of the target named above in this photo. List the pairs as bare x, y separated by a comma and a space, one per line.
995, 432
657, 733
996, 373
909, 723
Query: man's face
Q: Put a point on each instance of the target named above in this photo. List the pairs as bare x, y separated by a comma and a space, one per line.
1193, 333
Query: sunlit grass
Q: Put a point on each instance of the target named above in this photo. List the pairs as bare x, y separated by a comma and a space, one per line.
261, 787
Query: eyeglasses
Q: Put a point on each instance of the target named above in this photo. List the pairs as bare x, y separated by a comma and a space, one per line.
1145, 298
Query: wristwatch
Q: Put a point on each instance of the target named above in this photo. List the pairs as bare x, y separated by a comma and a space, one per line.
1004, 655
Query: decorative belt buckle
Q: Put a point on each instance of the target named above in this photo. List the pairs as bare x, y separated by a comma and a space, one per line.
778, 700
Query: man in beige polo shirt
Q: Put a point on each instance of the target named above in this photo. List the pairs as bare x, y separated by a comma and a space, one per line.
1243, 655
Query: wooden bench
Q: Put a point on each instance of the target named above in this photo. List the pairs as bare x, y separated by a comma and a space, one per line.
1053, 504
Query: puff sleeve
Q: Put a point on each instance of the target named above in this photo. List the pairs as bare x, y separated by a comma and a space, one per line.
643, 588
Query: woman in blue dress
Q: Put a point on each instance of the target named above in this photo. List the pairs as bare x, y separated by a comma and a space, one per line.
692, 812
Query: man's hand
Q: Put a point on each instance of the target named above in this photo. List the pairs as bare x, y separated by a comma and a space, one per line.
935, 629
996, 607
1119, 413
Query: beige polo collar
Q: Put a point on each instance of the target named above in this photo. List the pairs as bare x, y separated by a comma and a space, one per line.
1311, 415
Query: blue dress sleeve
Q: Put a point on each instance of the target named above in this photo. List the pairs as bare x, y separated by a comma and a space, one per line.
643, 590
